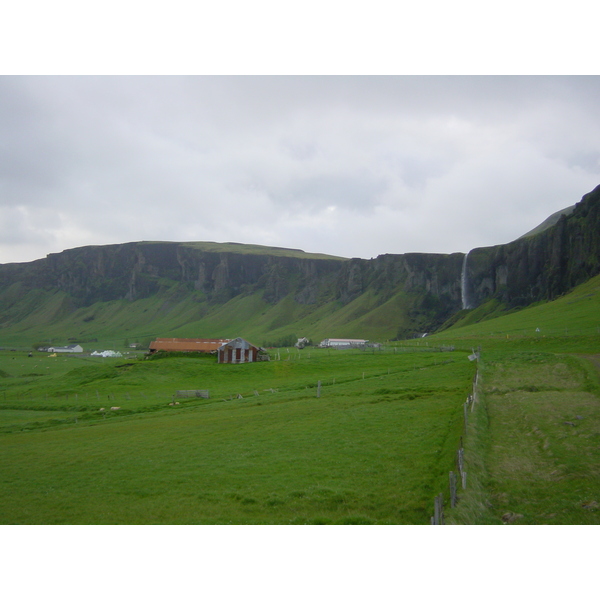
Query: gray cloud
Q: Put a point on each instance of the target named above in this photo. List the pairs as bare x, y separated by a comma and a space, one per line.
352, 166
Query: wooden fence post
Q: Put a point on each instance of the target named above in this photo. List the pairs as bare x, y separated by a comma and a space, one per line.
438, 514
318, 389
452, 489
461, 467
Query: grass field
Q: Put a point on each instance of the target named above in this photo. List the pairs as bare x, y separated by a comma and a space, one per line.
533, 449
374, 448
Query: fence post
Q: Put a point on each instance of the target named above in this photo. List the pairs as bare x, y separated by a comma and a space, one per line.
318, 389
438, 514
461, 467
452, 489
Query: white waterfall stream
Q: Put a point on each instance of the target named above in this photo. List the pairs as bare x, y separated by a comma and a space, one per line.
464, 292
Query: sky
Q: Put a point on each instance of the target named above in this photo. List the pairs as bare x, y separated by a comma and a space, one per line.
352, 166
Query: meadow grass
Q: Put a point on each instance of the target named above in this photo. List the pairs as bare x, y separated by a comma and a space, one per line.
532, 449
374, 448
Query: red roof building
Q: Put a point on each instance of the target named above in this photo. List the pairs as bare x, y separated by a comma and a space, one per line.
228, 351
186, 345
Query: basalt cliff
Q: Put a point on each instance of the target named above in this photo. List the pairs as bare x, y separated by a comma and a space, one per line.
202, 289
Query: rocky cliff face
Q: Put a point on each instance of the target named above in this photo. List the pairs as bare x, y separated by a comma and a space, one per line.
538, 267
138, 270
542, 266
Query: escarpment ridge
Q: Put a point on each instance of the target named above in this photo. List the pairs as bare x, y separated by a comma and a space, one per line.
211, 289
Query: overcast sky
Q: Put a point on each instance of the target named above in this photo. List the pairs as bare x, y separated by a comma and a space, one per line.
352, 166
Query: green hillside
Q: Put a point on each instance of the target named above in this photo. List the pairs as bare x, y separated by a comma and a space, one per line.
568, 323
176, 312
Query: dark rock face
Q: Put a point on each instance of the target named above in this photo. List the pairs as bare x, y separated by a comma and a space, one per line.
538, 267
435, 274
543, 266
138, 270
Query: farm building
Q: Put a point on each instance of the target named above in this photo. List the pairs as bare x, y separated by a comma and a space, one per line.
186, 345
69, 348
238, 351
342, 343
228, 351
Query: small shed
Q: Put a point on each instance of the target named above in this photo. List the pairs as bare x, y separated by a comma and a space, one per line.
238, 351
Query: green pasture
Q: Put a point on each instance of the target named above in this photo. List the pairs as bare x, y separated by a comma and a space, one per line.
375, 447
532, 447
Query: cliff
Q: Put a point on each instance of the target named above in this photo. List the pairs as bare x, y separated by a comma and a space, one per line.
203, 288
541, 266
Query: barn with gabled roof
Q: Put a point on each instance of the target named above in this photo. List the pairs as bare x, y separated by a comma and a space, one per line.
238, 351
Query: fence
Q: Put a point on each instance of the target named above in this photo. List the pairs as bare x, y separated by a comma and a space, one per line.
438, 506
192, 394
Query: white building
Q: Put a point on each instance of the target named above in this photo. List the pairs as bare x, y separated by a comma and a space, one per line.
342, 343
69, 348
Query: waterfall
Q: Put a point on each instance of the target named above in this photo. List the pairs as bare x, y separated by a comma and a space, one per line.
464, 293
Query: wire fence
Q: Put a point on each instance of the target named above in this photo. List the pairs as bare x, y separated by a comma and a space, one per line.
454, 479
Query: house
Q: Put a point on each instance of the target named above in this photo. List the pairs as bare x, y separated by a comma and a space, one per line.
69, 348
342, 343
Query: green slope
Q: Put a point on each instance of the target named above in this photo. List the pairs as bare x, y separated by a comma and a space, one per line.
575, 315
177, 312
